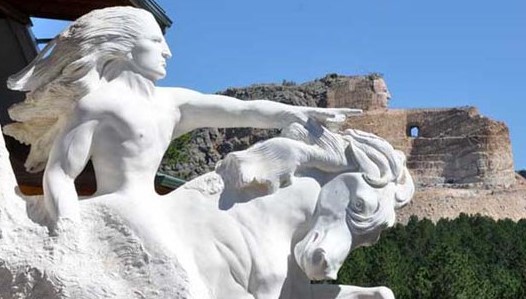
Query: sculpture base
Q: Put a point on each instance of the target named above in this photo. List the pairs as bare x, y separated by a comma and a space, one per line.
102, 258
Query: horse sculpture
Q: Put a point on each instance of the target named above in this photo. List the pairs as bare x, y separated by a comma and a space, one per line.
245, 234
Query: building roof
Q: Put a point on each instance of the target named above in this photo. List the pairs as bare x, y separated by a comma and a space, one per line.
21, 10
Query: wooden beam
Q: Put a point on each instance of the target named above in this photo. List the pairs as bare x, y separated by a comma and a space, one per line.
13, 13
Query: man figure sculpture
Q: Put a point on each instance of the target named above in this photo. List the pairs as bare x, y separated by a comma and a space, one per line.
91, 94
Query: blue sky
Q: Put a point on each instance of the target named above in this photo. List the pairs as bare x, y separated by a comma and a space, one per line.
432, 53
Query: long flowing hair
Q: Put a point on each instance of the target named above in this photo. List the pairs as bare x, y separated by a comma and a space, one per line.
71, 66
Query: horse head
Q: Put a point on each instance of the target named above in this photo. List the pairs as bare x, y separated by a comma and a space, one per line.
354, 207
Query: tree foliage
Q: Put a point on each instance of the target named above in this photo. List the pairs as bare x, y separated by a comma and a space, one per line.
178, 150
468, 257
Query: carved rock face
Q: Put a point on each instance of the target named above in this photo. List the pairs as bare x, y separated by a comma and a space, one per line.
382, 94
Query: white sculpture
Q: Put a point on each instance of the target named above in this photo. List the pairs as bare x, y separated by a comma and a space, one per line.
262, 225
293, 208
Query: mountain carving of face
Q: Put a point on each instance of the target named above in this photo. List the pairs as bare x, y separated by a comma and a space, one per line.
380, 88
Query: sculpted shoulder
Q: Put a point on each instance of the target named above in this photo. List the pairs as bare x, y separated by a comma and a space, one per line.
102, 99
176, 95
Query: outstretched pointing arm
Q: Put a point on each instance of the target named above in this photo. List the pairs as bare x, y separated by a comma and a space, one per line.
209, 110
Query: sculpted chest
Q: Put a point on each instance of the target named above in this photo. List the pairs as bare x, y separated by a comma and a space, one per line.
137, 125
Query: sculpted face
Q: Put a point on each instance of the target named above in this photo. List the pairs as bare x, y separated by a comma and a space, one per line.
151, 52
380, 88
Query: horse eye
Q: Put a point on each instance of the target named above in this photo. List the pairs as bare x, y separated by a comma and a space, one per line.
358, 205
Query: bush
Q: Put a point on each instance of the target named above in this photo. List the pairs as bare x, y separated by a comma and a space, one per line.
178, 150
288, 83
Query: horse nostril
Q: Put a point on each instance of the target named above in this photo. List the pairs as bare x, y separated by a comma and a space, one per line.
318, 256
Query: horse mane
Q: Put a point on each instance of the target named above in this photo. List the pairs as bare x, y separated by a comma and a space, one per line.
272, 164
382, 167
380, 164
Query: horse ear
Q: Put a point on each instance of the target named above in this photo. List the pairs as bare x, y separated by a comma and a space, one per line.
405, 189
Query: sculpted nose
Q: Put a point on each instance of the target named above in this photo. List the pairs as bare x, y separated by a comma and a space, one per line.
167, 54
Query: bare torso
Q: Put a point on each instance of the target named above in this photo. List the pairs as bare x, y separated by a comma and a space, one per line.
133, 132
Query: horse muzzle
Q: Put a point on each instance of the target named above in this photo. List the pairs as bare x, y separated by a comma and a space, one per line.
313, 260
